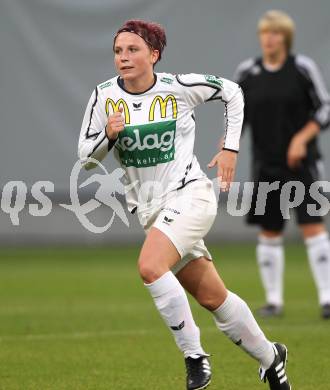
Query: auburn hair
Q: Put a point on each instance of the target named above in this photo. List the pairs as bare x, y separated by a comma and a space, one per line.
152, 33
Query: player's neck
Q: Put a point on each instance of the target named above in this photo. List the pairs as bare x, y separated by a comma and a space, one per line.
275, 60
141, 84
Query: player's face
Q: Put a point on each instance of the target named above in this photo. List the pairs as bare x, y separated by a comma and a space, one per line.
133, 57
272, 42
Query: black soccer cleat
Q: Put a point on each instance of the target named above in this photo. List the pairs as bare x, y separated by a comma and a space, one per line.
198, 372
325, 311
270, 310
276, 375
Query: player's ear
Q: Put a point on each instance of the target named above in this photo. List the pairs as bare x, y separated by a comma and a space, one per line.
154, 56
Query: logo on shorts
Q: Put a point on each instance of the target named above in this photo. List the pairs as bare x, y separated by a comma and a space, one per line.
171, 210
167, 220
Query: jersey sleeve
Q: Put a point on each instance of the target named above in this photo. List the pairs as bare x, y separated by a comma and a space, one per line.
199, 89
317, 90
93, 141
243, 70
241, 73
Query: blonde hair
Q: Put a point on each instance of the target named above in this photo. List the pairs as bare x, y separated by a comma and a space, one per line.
275, 20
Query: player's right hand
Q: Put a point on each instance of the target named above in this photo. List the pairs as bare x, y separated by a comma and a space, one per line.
297, 151
115, 125
226, 162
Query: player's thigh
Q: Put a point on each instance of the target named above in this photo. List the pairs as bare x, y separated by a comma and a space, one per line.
157, 256
188, 217
201, 279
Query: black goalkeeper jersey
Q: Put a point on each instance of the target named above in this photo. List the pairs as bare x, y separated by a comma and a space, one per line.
279, 103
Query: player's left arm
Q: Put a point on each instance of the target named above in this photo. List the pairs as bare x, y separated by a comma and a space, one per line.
205, 88
297, 150
320, 113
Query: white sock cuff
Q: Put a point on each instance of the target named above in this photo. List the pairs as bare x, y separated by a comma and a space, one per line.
315, 240
273, 241
163, 284
227, 308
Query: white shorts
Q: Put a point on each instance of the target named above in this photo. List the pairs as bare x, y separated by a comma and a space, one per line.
185, 217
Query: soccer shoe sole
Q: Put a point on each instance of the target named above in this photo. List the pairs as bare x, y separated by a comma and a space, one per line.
205, 386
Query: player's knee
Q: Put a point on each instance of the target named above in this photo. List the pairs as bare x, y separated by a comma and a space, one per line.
210, 302
313, 229
148, 271
271, 233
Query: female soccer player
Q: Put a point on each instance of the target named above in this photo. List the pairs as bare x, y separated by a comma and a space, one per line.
287, 105
148, 119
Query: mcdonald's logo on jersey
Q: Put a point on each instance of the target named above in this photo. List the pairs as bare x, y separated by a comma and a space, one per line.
163, 103
116, 106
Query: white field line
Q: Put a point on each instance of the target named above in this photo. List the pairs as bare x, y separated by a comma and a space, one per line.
73, 308
75, 335
86, 335
132, 332
106, 307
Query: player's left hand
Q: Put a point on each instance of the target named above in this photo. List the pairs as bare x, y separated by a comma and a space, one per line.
226, 163
297, 151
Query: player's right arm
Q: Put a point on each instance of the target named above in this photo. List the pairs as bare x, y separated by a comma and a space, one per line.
197, 89
99, 132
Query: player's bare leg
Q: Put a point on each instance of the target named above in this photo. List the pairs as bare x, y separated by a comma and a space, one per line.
318, 249
234, 318
201, 279
157, 256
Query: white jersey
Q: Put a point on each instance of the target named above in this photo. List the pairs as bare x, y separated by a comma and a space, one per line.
157, 144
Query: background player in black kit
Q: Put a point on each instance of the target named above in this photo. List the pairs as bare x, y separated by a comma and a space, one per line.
287, 105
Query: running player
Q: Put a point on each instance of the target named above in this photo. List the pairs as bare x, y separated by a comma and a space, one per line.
148, 120
287, 104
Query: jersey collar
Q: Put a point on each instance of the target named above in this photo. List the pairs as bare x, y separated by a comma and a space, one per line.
120, 83
288, 59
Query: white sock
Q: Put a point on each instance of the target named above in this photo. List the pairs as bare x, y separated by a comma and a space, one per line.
235, 319
318, 249
172, 303
270, 257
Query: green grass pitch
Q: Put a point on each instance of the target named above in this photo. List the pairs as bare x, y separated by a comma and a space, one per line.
81, 319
